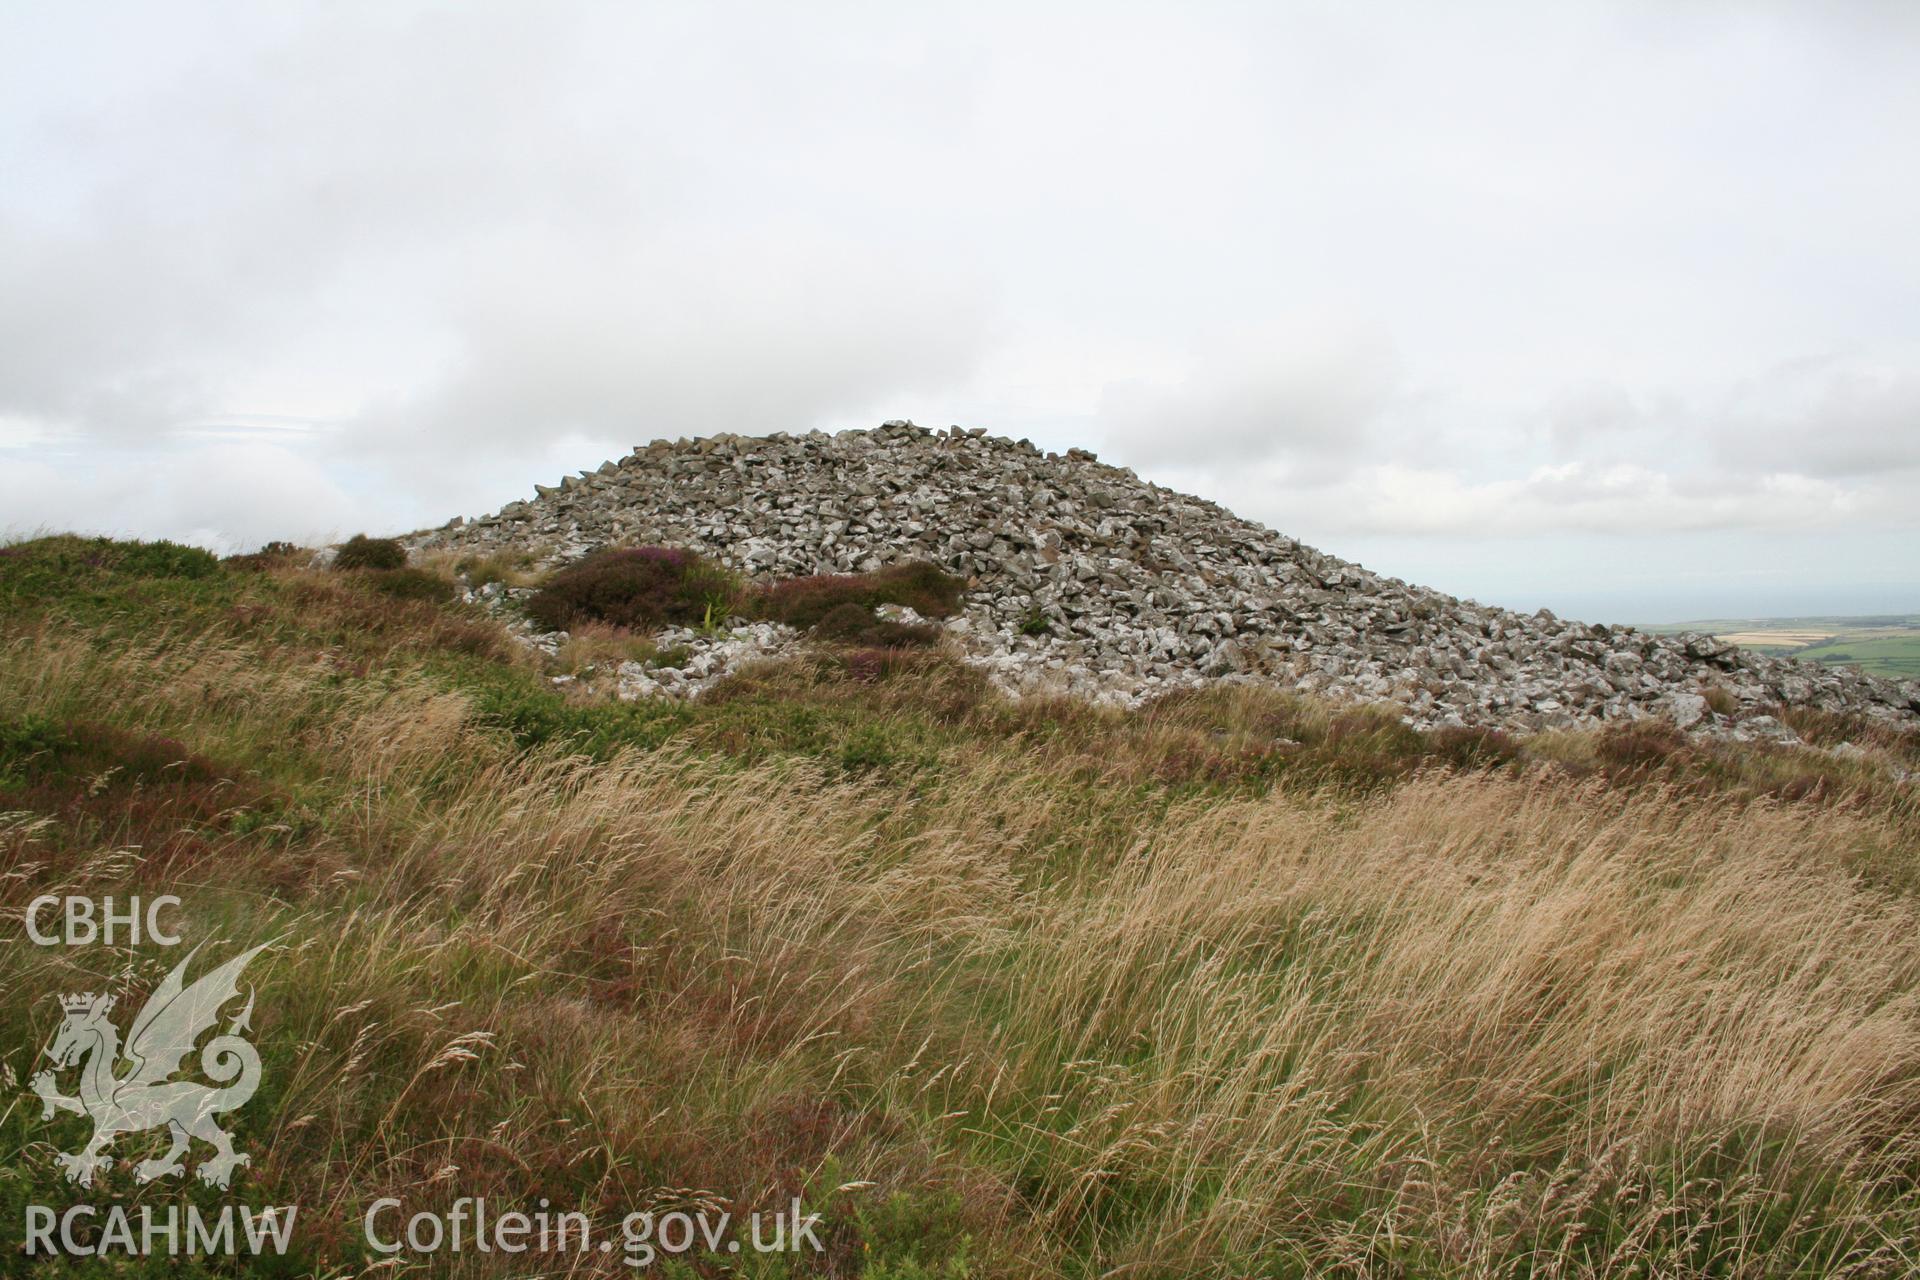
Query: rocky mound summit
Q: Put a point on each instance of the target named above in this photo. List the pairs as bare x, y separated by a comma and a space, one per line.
1085, 579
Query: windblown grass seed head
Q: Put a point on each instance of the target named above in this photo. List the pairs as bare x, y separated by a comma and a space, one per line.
1045, 989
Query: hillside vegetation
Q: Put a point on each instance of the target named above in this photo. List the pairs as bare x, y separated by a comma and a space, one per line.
1238, 984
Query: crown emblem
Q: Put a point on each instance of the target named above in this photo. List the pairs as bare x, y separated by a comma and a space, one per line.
86, 1002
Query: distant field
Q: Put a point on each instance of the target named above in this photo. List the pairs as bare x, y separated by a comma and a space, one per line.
1887, 645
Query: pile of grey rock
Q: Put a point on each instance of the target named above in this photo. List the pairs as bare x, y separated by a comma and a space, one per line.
702, 657
1086, 580
710, 658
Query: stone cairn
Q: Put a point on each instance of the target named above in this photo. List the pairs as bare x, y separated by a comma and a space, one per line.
1085, 580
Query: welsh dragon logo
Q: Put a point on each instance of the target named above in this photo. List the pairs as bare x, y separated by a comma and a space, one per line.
140, 1096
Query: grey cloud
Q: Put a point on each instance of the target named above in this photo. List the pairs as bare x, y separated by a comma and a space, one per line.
1579, 415
1382, 499
1834, 417
1310, 401
560, 255
1379, 270
231, 496
689, 337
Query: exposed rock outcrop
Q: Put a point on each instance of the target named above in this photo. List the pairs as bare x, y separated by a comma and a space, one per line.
1087, 580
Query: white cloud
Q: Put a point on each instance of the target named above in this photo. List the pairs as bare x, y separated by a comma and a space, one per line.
1307, 399
1832, 416
1372, 271
229, 497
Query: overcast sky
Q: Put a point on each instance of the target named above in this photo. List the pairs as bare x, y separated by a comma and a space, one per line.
1612, 307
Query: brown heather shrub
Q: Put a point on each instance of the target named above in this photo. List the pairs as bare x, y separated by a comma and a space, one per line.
644, 588
1811, 785
805, 602
91, 755
101, 781
871, 664
356, 616
1473, 747
1641, 745
362, 552
273, 555
856, 624
411, 584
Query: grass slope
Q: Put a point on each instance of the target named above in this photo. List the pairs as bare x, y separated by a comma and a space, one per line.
1239, 985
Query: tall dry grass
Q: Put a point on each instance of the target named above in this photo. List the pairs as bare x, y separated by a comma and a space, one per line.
1472, 1026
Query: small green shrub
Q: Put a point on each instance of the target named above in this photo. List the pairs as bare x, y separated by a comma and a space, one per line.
641, 587
33, 738
867, 748
73, 569
1035, 623
160, 560
362, 552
